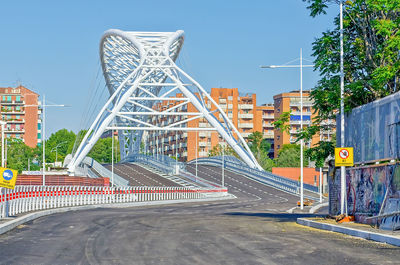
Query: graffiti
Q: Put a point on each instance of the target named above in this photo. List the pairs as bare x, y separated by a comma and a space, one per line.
369, 189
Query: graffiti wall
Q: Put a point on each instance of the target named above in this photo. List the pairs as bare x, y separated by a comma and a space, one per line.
369, 189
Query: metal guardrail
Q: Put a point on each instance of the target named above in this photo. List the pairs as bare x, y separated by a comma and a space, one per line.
162, 163
268, 178
104, 172
32, 198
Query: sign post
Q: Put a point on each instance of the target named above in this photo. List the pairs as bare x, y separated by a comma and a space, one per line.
343, 158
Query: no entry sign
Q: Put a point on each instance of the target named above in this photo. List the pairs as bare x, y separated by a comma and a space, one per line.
344, 156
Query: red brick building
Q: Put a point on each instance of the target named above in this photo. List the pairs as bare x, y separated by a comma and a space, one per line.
20, 109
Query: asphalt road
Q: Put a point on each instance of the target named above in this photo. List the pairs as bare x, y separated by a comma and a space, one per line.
252, 229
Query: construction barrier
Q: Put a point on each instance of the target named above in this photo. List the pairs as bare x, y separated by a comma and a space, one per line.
61, 180
31, 198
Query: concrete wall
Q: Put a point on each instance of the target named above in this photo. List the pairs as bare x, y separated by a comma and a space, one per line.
310, 175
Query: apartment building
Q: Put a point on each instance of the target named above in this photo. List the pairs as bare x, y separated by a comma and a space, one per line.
20, 109
242, 110
290, 102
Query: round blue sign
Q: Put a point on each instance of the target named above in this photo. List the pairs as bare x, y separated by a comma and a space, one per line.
7, 174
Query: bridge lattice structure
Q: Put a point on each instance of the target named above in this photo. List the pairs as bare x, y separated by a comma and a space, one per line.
140, 70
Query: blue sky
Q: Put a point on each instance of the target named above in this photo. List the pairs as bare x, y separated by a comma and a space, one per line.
51, 47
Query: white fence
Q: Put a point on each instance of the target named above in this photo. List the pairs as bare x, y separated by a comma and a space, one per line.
31, 198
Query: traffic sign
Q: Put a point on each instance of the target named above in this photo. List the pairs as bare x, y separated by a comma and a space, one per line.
344, 156
8, 177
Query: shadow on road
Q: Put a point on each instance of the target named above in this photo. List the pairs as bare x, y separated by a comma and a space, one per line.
278, 217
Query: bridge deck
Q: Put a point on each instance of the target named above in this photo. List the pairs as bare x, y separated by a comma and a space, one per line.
138, 176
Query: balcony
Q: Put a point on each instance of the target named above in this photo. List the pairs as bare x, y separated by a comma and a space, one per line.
268, 117
14, 102
308, 113
268, 135
222, 106
222, 100
202, 144
13, 130
299, 122
15, 121
296, 103
203, 125
245, 125
202, 134
267, 124
203, 154
246, 116
245, 106
245, 135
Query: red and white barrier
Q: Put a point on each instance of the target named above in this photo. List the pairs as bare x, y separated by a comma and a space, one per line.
31, 198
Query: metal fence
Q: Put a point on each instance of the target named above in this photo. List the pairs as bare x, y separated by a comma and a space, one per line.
161, 162
268, 178
31, 198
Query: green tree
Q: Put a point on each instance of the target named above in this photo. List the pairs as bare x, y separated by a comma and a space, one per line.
101, 151
289, 156
65, 140
18, 155
371, 61
218, 150
260, 148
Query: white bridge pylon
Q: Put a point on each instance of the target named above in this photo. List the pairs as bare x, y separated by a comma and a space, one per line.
139, 69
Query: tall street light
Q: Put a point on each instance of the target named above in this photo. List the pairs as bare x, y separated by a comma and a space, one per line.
56, 148
3, 125
342, 168
44, 131
301, 118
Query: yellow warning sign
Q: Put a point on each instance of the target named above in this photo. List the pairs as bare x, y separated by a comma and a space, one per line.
8, 177
344, 157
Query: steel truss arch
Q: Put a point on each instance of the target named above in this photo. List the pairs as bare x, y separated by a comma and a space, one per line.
139, 69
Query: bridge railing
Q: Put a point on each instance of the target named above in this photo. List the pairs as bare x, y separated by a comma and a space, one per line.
104, 172
268, 178
163, 163
32, 198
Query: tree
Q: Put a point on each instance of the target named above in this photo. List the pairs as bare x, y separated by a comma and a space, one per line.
289, 156
371, 61
18, 155
101, 151
260, 149
65, 140
218, 150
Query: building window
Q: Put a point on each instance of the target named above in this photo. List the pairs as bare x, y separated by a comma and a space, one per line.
39, 125
278, 137
8, 98
39, 136
18, 98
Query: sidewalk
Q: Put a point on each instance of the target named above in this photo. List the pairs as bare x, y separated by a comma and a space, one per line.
352, 229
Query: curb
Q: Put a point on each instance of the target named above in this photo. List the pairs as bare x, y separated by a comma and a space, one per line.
318, 206
7, 226
351, 231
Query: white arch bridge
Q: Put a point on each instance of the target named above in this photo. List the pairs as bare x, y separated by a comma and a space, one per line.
140, 71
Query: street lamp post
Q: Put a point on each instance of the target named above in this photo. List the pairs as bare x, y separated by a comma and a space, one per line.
3, 125
301, 118
56, 147
342, 168
43, 133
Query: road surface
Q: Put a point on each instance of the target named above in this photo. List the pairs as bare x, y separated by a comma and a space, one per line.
252, 229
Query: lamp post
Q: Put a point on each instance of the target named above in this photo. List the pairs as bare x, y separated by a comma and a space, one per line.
301, 118
342, 168
56, 147
3, 125
43, 133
